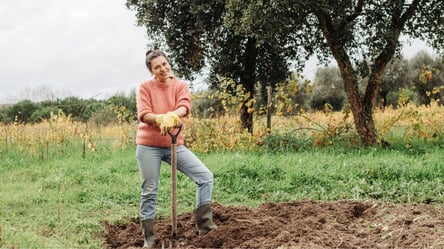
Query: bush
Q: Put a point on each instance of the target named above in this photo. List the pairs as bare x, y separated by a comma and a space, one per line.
336, 102
22, 111
104, 116
42, 114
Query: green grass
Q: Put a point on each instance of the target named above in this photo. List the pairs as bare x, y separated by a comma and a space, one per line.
329, 175
60, 201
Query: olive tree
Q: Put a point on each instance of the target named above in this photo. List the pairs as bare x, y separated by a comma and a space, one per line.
362, 36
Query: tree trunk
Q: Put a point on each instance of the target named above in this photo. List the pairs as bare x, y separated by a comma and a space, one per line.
246, 118
364, 123
362, 110
248, 80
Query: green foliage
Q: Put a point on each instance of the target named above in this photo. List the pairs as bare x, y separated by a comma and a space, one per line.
4, 118
42, 113
340, 29
418, 80
290, 97
104, 116
74, 106
196, 35
22, 111
92, 108
403, 96
234, 96
123, 110
397, 75
124, 107
328, 89
205, 105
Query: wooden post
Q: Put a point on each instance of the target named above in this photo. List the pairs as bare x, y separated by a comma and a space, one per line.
269, 107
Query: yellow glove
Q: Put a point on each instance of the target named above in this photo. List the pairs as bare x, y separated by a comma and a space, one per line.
159, 119
167, 122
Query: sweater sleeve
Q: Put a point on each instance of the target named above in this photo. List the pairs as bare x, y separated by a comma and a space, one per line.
144, 103
183, 97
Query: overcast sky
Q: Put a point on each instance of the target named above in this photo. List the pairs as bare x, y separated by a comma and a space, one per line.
85, 48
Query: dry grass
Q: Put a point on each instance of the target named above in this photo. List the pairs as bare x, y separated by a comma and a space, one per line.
225, 133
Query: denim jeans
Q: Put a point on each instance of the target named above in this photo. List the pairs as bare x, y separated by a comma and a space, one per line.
149, 160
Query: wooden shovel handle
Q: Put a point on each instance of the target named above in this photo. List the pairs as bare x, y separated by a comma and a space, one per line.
173, 181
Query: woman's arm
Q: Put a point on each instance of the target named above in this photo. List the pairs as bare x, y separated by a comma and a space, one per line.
181, 112
150, 118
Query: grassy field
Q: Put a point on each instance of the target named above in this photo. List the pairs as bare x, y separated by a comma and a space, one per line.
61, 179
61, 202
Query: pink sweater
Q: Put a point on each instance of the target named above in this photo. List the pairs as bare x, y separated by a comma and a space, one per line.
159, 98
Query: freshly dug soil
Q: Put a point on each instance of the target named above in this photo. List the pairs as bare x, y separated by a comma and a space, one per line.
298, 224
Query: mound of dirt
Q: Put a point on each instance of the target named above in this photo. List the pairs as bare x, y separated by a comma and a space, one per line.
298, 224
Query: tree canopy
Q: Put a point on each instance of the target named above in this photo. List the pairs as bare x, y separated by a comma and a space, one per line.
194, 34
362, 36
248, 39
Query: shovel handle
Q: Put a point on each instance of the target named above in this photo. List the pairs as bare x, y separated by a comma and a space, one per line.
173, 180
174, 135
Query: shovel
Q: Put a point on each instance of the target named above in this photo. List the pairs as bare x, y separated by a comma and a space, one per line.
173, 180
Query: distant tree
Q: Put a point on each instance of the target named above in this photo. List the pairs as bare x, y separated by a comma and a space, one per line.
74, 106
420, 63
104, 116
123, 106
205, 105
396, 77
42, 113
22, 111
4, 118
362, 36
91, 108
328, 89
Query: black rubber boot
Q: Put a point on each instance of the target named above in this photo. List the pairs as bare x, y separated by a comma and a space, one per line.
148, 233
204, 219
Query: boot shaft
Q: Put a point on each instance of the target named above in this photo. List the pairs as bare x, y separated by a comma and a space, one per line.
204, 219
148, 233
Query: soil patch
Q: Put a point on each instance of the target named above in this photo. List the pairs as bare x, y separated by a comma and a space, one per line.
298, 224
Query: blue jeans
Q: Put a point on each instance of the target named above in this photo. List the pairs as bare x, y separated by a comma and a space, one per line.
149, 160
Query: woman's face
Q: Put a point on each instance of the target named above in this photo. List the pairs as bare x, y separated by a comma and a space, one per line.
160, 68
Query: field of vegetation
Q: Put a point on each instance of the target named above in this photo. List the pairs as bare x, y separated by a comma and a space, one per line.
61, 179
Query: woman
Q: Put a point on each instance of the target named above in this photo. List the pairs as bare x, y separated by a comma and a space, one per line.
161, 103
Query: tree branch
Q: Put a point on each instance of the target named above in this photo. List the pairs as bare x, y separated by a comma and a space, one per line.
356, 13
409, 12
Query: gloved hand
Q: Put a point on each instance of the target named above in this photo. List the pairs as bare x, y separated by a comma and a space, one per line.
159, 119
168, 122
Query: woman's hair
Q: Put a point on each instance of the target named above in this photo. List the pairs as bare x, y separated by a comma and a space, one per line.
151, 55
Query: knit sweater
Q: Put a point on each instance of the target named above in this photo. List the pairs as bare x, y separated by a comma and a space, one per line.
159, 98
